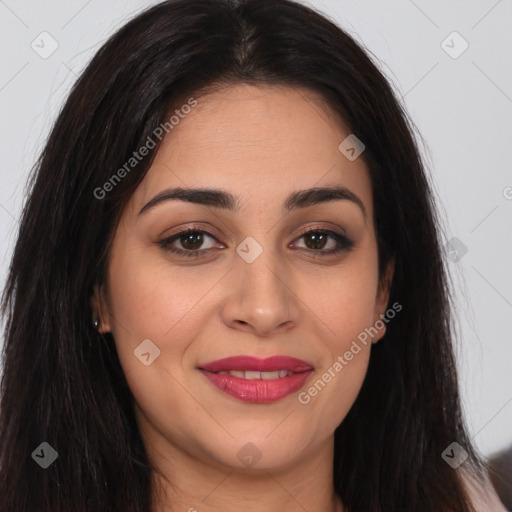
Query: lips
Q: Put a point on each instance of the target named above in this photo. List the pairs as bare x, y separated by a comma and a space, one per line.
257, 380
248, 363
250, 374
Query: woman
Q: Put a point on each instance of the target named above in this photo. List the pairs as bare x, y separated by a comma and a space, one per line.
228, 291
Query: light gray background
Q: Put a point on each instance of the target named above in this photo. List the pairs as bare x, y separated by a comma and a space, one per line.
462, 107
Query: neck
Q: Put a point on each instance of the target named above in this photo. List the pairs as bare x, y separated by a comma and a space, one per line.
184, 483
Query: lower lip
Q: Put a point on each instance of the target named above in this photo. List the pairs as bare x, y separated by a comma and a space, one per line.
258, 390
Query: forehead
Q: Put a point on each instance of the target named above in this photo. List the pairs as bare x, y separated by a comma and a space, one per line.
260, 143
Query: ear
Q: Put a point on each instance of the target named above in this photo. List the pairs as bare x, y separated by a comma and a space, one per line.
382, 299
99, 306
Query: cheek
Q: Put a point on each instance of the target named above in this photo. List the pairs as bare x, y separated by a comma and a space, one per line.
345, 300
331, 393
346, 307
147, 302
150, 304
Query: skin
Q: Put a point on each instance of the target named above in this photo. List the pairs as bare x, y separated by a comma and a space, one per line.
260, 144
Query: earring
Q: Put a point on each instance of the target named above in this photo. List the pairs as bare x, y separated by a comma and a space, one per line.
96, 323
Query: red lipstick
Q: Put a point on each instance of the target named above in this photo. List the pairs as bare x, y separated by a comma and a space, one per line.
257, 380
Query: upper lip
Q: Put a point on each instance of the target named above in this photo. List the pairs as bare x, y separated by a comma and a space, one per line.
249, 363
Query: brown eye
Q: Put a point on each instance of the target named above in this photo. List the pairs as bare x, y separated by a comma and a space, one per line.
192, 241
324, 242
189, 242
316, 240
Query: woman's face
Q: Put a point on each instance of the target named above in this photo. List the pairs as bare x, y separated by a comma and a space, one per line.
258, 286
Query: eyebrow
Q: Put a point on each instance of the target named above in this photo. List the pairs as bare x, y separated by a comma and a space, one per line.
218, 198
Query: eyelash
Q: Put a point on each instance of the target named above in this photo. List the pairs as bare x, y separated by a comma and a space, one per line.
344, 243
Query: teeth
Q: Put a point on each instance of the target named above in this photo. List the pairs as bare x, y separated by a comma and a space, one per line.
252, 375
270, 375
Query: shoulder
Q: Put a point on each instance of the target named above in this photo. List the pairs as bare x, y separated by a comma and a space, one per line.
483, 495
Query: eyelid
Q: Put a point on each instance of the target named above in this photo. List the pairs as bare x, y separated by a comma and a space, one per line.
165, 243
323, 229
344, 243
207, 230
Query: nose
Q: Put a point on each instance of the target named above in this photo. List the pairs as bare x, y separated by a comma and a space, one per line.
260, 298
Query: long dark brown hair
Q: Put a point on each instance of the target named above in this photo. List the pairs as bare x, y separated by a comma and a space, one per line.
62, 381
